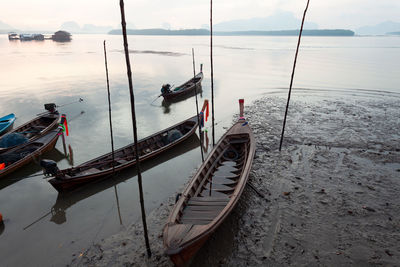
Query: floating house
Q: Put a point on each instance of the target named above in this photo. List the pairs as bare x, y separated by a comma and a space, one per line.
61, 36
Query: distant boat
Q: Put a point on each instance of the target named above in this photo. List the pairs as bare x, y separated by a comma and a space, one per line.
6, 123
188, 87
31, 37
13, 36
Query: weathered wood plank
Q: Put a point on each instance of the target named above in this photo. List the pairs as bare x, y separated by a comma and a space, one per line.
203, 208
210, 199
195, 221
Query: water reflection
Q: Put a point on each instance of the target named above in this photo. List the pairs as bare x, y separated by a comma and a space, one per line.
2, 227
68, 199
204, 140
161, 53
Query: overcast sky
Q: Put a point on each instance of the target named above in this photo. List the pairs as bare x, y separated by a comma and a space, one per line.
50, 14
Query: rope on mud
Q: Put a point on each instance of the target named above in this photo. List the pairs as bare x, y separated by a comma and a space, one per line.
291, 79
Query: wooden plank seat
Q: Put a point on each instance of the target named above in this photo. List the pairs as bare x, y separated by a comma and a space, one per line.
208, 201
202, 210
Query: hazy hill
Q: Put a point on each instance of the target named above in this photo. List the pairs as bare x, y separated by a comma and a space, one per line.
4, 27
235, 33
281, 20
73, 27
379, 29
162, 32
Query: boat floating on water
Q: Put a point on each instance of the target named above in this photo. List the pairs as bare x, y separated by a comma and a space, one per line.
184, 89
31, 130
6, 123
103, 167
211, 194
19, 156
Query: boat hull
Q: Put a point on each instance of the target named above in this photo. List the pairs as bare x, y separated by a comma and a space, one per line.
197, 215
43, 144
35, 128
6, 123
66, 182
191, 85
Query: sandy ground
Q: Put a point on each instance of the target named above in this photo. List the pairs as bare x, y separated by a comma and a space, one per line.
330, 198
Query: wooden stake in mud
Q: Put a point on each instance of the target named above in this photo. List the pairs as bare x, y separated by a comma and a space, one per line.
132, 97
212, 74
197, 108
109, 107
291, 79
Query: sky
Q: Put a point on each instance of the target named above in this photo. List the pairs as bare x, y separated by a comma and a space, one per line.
328, 14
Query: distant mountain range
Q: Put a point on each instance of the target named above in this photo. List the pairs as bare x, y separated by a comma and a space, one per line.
5, 27
281, 20
73, 27
275, 24
235, 33
379, 29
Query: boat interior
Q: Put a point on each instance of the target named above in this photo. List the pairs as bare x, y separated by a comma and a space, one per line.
127, 154
214, 186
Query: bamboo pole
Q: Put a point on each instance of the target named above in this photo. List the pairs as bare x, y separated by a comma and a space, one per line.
109, 107
197, 108
291, 79
132, 98
212, 74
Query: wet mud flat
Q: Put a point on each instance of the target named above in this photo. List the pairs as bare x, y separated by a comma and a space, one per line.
330, 197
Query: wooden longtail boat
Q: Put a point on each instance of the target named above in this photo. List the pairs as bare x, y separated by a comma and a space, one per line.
102, 167
36, 127
6, 123
23, 154
211, 194
183, 89
69, 198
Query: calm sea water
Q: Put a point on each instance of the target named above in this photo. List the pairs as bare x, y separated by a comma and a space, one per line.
44, 228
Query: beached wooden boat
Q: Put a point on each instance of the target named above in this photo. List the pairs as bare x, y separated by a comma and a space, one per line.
17, 157
6, 123
102, 167
183, 89
211, 194
36, 127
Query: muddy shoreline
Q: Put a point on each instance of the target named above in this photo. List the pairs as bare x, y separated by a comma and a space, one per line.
330, 195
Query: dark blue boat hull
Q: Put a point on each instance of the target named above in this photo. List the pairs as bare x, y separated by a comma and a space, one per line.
6, 123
